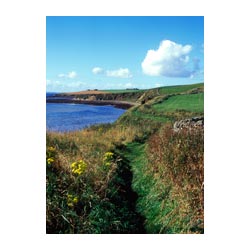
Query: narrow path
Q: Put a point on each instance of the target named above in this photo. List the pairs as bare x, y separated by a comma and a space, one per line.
127, 193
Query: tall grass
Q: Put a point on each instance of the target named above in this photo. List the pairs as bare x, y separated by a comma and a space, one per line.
94, 199
170, 185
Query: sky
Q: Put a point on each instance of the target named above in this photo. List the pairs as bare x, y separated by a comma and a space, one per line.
119, 52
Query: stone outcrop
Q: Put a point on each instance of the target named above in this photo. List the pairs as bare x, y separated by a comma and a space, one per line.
189, 123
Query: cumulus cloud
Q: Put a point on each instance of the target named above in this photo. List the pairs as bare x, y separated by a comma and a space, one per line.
71, 75
120, 73
97, 71
170, 60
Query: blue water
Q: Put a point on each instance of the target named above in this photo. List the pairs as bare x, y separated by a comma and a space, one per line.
48, 94
64, 117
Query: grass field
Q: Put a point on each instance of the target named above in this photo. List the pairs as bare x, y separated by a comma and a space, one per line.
162, 90
150, 117
118, 91
179, 88
193, 103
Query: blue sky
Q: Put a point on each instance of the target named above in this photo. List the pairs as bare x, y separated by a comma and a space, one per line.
123, 52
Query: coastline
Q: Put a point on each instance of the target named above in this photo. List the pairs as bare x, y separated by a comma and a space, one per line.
117, 104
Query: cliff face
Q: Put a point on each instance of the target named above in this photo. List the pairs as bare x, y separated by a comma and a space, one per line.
130, 96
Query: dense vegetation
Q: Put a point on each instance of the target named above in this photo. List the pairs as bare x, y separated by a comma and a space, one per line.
134, 176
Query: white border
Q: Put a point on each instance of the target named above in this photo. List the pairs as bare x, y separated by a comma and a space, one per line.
23, 68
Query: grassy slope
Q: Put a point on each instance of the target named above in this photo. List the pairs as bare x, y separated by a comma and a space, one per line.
179, 88
192, 103
161, 109
105, 190
162, 90
160, 215
117, 91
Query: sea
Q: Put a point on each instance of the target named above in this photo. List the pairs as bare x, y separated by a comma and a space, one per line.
65, 117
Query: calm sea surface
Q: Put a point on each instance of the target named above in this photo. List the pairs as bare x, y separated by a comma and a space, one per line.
64, 117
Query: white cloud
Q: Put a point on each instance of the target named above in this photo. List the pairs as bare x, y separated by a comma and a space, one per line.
97, 71
122, 73
169, 60
70, 75
57, 86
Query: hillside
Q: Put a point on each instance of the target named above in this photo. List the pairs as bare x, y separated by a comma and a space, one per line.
136, 175
134, 96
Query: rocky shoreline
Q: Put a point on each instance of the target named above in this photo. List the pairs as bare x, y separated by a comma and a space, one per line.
117, 104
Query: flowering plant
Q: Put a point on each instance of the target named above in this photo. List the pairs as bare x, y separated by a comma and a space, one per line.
50, 155
108, 158
72, 200
78, 167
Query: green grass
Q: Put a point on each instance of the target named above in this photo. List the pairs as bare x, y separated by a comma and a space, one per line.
191, 102
167, 176
161, 90
150, 117
119, 91
179, 88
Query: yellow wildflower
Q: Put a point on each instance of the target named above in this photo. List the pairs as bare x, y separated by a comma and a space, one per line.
51, 149
72, 200
50, 160
73, 164
75, 199
78, 167
108, 158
